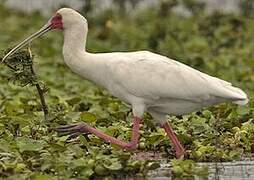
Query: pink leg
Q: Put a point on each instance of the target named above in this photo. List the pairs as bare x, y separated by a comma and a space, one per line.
176, 143
84, 128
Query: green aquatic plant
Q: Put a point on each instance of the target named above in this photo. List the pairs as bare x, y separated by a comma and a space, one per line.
188, 170
21, 64
23, 74
218, 44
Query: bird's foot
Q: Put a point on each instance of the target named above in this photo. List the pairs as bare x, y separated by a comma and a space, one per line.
179, 149
73, 130
180, 154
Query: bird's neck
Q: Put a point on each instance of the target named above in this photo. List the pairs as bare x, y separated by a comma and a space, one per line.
76, 57
75, 38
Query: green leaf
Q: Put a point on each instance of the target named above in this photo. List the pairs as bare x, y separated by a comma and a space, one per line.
26, 144
44, 177
88, 117
114, 166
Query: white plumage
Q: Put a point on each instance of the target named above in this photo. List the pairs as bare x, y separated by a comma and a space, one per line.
153, 83
147, 81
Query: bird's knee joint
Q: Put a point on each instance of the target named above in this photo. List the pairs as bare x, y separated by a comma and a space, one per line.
131, 146
82, 127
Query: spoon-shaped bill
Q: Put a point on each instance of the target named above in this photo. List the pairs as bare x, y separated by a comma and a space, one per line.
39, 33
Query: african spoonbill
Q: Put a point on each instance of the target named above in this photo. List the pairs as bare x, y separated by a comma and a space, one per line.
147, 81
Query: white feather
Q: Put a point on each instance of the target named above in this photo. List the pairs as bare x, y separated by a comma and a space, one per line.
148, 81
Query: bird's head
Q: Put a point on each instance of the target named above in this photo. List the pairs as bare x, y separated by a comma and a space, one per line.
63, 19
66, 18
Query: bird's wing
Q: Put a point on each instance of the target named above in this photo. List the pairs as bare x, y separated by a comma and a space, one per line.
153, 76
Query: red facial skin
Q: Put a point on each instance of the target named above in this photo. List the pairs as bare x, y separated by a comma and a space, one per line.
56, 22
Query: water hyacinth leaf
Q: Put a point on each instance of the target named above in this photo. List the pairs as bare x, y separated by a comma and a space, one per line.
88, 117
5, 146
26, 144
101, 170
44, 177
86, 172
73, 101
115, 165
187, 169
79, 163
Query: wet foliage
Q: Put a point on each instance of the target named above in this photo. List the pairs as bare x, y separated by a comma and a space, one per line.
219, 44
20, 63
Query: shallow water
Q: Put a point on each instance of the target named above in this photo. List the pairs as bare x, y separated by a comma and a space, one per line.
239, 170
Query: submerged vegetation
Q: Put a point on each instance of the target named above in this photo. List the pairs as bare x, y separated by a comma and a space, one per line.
219, 44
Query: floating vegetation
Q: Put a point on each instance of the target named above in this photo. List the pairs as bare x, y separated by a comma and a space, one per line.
23, 74
21, 65
218, 44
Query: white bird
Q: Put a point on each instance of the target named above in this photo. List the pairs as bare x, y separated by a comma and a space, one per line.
147, 81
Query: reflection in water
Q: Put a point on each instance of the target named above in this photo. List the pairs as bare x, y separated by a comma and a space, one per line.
240, 170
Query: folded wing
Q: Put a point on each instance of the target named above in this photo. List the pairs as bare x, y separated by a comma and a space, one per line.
152, 76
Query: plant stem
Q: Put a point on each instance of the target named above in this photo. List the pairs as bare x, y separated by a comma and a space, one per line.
40, 91
43, 102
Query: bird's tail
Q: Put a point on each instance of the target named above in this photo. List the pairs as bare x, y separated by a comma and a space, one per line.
240, 95
225, 90
241, 102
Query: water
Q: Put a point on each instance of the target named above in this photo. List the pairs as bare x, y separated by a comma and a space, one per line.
239, 170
